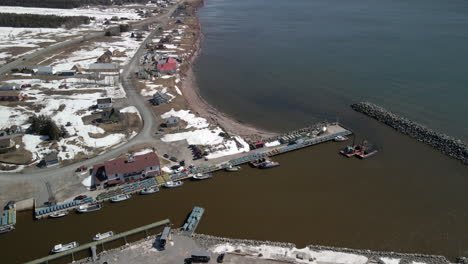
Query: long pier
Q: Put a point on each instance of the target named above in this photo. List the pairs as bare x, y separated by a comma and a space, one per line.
292, 141
93, 245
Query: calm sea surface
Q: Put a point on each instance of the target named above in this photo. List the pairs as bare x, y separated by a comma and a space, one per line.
285, 64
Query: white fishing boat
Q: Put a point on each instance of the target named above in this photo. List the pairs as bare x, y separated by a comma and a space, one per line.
233, 168
340, 139
58, 214
102, 236
202, 176
149, 190
120, 198
87, 208
64, 247
173, 184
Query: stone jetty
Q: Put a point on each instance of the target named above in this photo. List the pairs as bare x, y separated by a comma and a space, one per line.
450, 146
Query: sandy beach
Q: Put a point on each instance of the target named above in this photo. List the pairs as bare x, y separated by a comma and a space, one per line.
191, 93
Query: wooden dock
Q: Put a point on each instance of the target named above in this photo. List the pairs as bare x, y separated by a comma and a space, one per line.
92, 245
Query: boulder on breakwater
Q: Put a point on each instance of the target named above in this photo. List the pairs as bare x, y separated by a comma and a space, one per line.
450, 146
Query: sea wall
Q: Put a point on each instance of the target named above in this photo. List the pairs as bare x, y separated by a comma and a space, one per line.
450, 146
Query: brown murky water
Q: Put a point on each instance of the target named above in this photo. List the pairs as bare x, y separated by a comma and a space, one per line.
408, 198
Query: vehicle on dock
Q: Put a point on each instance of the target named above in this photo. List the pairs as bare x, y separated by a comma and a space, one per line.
101, 236
120, 198
6, 229
172, 184
340, 138
59, 214
269, 164
149, 190
202, 176
88, 208
233, 168
64, 247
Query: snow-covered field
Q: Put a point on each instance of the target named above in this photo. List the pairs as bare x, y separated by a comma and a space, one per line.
63, 109
200, 134
98, 13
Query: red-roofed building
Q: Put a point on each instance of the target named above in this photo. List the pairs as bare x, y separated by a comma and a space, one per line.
170, 66
124, 170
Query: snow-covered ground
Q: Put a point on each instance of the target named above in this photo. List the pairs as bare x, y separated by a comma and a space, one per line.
130, 109
273, 252
216, 145
98, 13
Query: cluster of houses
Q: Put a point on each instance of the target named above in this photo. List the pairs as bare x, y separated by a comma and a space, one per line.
128, 169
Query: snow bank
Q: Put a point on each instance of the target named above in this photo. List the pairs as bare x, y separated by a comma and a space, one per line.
197, 137
98, 13
131, 109
143, 151
272, 144
230, 148
88, 181
191, 119
273, 252
390, 260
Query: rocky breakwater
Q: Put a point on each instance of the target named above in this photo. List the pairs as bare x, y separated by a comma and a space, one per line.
448, 145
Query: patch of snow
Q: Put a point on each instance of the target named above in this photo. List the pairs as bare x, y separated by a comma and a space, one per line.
130, 109
197, 137
390, 260
230, 147
178, 90
87, 182
191, 119
143, 151
273, 143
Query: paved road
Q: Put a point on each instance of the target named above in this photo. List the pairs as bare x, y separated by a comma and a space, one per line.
59, 175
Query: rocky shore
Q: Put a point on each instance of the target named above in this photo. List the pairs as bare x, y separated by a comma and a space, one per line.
450, 146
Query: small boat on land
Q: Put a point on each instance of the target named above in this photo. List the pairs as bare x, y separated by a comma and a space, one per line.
59, 214
172, 184
233, 168
61, 248
340, 138
149, 190
102, 236
88, 208
269, 164
202, 176
6, 229
120, 198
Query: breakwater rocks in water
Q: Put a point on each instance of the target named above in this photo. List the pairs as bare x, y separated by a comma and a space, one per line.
448, 145
208, 241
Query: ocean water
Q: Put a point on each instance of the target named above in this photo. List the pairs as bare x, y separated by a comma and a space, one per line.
281, 64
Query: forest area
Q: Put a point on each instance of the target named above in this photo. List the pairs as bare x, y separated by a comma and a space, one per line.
41, 21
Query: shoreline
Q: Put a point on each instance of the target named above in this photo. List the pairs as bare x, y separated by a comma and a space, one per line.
192, 95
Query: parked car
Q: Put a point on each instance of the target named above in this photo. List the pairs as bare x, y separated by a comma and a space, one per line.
166, 156
80, 197
174, 159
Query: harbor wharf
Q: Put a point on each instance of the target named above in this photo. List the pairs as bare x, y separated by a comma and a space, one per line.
275, 146
192, 221
92, 245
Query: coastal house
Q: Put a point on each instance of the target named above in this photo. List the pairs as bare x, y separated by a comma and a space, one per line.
172, 121
168, 66
111, 115
126, 169
77, 68
11, 96
104, 103
44, 70
160, 98
105, 58
50, 160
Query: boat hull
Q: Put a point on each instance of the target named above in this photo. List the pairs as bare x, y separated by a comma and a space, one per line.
65, 247
89, 209
102, 236
175, 185
120, 199
6, 229
146, 192
58, 215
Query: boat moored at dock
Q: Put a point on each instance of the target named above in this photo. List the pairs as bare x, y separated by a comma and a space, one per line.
340, 138
233, 168
101, 236
202, 176
59, 214
120, 198
361, 151
88, 208
173, 184
149, 190
64, 247
6, 229
269, 164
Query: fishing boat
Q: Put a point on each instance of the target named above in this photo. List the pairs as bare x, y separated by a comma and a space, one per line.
172, 184
120, 198
59, 214
366, 152
340, 139
6, 229
202, 176
349, 151
149, 190
269, 164
64, 247
102, 236
233, 168
88, 208
256, 163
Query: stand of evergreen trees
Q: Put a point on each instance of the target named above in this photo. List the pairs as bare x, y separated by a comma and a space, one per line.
41, 21
43, 125
65, 3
